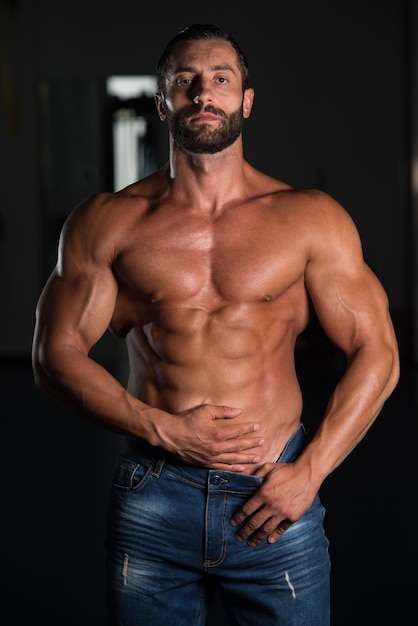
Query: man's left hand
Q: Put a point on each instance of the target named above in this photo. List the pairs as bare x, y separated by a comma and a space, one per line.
281, 500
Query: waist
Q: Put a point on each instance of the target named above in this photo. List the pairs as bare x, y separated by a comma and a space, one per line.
141, 451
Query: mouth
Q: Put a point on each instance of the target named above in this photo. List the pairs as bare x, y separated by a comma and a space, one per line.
204, 117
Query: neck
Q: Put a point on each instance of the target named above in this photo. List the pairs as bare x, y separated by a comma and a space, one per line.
208, 179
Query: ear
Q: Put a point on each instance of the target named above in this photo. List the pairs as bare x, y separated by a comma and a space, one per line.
161, 106
247, 103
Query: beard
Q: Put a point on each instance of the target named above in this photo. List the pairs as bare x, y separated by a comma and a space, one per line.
203, 139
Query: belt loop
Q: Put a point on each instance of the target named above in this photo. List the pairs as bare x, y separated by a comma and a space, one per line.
158, 466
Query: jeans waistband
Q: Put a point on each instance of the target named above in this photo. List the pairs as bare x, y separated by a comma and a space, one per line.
141, 450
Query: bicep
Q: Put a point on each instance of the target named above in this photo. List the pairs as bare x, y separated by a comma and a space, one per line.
352, 309
74, 312
350, 301
77, 302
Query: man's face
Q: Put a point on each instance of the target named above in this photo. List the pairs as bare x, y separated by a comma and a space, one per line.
204, 104
204, 138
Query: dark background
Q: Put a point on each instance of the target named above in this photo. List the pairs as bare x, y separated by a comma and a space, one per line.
335, 108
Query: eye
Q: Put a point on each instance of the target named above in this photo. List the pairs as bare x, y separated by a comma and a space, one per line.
222, 80
183, 81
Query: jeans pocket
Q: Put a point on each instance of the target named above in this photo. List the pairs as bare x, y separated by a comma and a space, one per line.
130, 475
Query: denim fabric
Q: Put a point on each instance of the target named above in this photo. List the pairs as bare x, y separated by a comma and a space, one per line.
169, 542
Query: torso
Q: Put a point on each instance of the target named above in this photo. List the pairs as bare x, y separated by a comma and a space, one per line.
211, 306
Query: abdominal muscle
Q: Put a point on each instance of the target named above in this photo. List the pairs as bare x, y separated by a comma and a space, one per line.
240, 359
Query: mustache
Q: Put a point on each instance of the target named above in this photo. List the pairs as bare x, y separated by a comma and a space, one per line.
193, 109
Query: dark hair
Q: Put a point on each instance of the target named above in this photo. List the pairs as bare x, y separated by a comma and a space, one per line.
199, 32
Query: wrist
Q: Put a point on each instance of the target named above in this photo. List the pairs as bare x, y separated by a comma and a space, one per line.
154, 426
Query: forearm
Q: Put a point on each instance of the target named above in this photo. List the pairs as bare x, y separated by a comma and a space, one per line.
353, 407
90, 390
204, 435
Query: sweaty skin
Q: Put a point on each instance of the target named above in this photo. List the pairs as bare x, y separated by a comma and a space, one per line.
207, 268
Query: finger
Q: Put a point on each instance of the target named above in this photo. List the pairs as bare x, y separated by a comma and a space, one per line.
251, 506
265, 469
270, 531
261, 532
278, 532
233, 467
235, 463
234, 432
227, 412
236, 446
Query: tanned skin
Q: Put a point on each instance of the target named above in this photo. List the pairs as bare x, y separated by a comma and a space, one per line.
207, 268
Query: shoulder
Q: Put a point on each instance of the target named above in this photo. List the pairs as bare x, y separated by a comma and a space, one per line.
137, 197
327, 230
322, 227
106, 215
312, 210
101, 226
311, 204
317, 213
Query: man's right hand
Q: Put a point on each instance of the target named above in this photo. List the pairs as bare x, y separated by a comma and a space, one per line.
207, 435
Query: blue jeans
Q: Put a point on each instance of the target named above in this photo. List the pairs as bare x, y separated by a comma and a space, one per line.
169, 543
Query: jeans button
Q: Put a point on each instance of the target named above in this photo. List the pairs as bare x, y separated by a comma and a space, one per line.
216, 480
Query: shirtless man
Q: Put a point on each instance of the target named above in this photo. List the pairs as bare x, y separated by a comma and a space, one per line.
206, 268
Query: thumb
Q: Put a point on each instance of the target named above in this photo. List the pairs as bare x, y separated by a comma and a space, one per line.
265, 469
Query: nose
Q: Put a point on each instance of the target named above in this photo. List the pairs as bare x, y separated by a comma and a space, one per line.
202, 92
